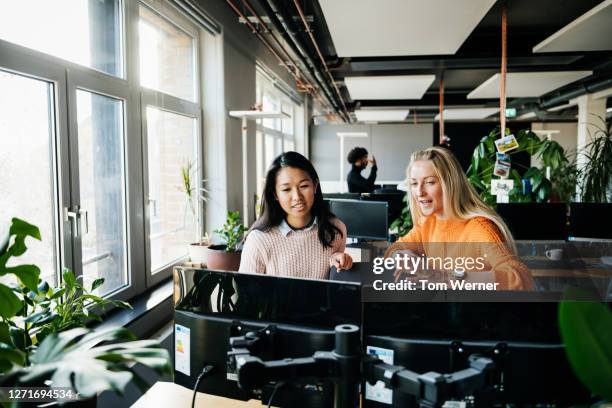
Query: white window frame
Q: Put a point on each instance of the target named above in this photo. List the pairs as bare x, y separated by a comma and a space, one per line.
66, 78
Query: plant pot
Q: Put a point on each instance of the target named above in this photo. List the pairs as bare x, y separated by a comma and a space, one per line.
198, 252
219, 259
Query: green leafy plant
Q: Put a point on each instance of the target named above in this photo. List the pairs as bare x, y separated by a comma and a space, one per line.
480, 172
34, 345
596, 175
69, 306
586, 329
188, 187
83, 360
232, 231
403, 224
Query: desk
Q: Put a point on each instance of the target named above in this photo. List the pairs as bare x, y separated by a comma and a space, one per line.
167, 394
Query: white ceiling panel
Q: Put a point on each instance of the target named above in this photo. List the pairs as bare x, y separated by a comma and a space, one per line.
526, 84
379, 115
467, 113
366, 28
389, 87
590, 32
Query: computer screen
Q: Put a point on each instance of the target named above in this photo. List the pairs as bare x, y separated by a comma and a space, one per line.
395, 200
363, 219
346, 196
441, 336
591, 220
212, 306
535, 220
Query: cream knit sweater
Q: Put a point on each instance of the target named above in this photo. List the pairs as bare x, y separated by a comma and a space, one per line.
300, 254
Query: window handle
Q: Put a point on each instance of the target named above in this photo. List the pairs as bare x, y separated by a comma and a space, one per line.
153, 202
73, 217
83, 213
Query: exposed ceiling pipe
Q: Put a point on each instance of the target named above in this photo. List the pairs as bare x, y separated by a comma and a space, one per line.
278, 44
573, 91
264, 41
288, 30
295, 72
316, 46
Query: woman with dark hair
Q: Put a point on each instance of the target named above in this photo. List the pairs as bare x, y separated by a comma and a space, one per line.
296, 235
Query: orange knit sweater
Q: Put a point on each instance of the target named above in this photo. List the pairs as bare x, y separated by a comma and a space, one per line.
471, 238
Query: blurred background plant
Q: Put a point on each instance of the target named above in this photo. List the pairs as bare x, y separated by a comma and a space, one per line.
559, 183
596, 174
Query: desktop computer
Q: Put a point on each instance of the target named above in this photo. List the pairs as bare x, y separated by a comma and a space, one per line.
365, 220
291, 322
212, 306
545, 221
590, 220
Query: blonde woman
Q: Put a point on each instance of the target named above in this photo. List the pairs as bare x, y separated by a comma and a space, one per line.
446, 209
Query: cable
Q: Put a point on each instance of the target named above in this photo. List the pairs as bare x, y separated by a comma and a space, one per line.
205, 371
276, 387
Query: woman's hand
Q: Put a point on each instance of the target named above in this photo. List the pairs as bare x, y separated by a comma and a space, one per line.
341, 261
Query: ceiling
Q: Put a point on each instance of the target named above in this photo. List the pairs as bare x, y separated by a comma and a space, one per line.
398, 38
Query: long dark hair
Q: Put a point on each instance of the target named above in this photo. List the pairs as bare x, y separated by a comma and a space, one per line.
271, 212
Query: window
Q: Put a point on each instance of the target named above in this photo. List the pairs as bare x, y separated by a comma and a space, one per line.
173, 189
94, 156
166, 56
102, 192
26, 162
275, 136
86, 32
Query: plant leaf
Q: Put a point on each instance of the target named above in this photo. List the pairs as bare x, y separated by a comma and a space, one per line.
28, 274
586, 329
9, 302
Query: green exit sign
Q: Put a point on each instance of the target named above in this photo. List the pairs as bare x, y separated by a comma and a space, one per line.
511, 112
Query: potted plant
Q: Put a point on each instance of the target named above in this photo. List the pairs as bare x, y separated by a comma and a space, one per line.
227, 256
552, 155
198, 250
43, 340
596, 175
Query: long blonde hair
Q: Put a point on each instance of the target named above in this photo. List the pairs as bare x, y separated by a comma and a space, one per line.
460, 199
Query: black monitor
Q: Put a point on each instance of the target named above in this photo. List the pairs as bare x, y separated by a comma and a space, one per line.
346, 196
545, 221
440, 337
212, 306
396, 201
363, 219
590, 220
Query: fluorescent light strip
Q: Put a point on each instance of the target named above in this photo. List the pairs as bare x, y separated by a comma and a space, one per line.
366, 115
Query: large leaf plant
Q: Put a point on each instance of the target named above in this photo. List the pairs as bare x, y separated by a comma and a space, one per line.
43, 335
551, 154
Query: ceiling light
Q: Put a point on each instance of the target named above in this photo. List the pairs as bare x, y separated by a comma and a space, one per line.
367, 115
590, 32
467, 113
389, 87
401, 27
526, 84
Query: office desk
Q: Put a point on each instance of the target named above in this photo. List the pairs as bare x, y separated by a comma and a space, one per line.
167, 394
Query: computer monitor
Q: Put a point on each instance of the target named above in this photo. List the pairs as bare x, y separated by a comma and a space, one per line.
212, 306
346, 196
440, 337
363, 219
545, 221
395, 200
590, 220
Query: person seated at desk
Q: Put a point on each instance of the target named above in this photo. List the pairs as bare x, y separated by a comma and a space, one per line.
296, 235
446, 208
358, 158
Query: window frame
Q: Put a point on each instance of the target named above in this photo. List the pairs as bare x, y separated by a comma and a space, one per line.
66, 77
